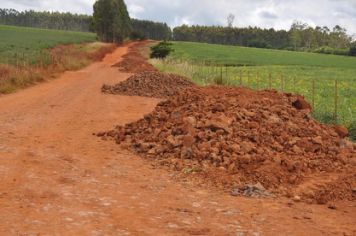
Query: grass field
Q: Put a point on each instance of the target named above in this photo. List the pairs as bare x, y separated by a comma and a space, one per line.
309, 74
29, 56
21, 44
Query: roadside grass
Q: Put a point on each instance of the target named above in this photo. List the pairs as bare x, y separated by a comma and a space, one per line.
29, 56
28, 45
315, 79
244, 56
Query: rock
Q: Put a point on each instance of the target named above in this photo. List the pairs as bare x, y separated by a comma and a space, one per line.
301, 104
191, 120
235, 148
188, 141
251, 190
176, 115
218, 108
247, 147
173, 141
296, 149
152, 151
186, 153
245, 159
232, 168
274, 119
318, 140
341, 131
297, 198
221, 122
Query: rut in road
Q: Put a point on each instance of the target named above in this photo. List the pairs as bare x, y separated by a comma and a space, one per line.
58, 179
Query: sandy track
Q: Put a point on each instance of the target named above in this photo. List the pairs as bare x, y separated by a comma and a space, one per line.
58, 179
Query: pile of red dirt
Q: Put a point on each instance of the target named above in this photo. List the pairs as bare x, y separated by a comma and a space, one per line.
150, 84
236, 137
134, 62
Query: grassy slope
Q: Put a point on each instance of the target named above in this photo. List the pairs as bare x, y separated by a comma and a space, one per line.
297, 70
29, 55
19, 43
254, 56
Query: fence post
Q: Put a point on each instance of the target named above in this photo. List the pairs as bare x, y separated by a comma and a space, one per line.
282, 83
313, 95
240, 77
270, 80
336, 101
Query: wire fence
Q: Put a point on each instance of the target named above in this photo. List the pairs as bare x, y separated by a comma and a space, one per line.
333, 100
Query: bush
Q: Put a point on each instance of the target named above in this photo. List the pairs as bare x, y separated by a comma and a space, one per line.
136, 35
258, 44
330, 50
161, 50
352, 51
352, 131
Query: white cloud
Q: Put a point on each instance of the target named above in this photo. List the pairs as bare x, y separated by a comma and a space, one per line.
263, 13
135, 10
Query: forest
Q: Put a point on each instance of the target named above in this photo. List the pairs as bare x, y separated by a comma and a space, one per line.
46, 20
300, 37
74, 22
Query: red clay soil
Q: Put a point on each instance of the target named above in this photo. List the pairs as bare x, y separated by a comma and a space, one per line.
133, 61
236, 136
57, 179
150, 84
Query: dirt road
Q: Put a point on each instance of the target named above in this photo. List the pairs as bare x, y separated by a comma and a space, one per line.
58, 179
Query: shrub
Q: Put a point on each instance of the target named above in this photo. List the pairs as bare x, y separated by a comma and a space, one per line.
136, 35
161, 50
352, 131
352, 51
258, 44
330, 50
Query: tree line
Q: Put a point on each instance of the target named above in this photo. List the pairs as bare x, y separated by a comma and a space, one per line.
106, 17
300, 37
46, 20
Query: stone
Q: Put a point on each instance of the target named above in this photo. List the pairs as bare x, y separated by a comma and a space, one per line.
245, 159
218, 108
221, 122
317, 140
188, 141
247, 147
301, 104
191, 120
341, 131
297, 198
235, 148
297, 149
173, 141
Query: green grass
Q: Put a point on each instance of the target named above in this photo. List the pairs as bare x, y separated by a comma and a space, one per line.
233, 55
289, 71
21, 44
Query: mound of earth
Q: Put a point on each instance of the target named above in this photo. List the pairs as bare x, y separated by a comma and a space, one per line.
134, 62
237, 137
150, 84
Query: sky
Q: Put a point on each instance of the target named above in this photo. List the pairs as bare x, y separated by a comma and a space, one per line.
278, 14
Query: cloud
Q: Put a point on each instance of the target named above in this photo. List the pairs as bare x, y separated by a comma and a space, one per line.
279, 14
268, 15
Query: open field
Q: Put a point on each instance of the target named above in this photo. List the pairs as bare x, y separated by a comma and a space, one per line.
312, 75
28, 55
21, 44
